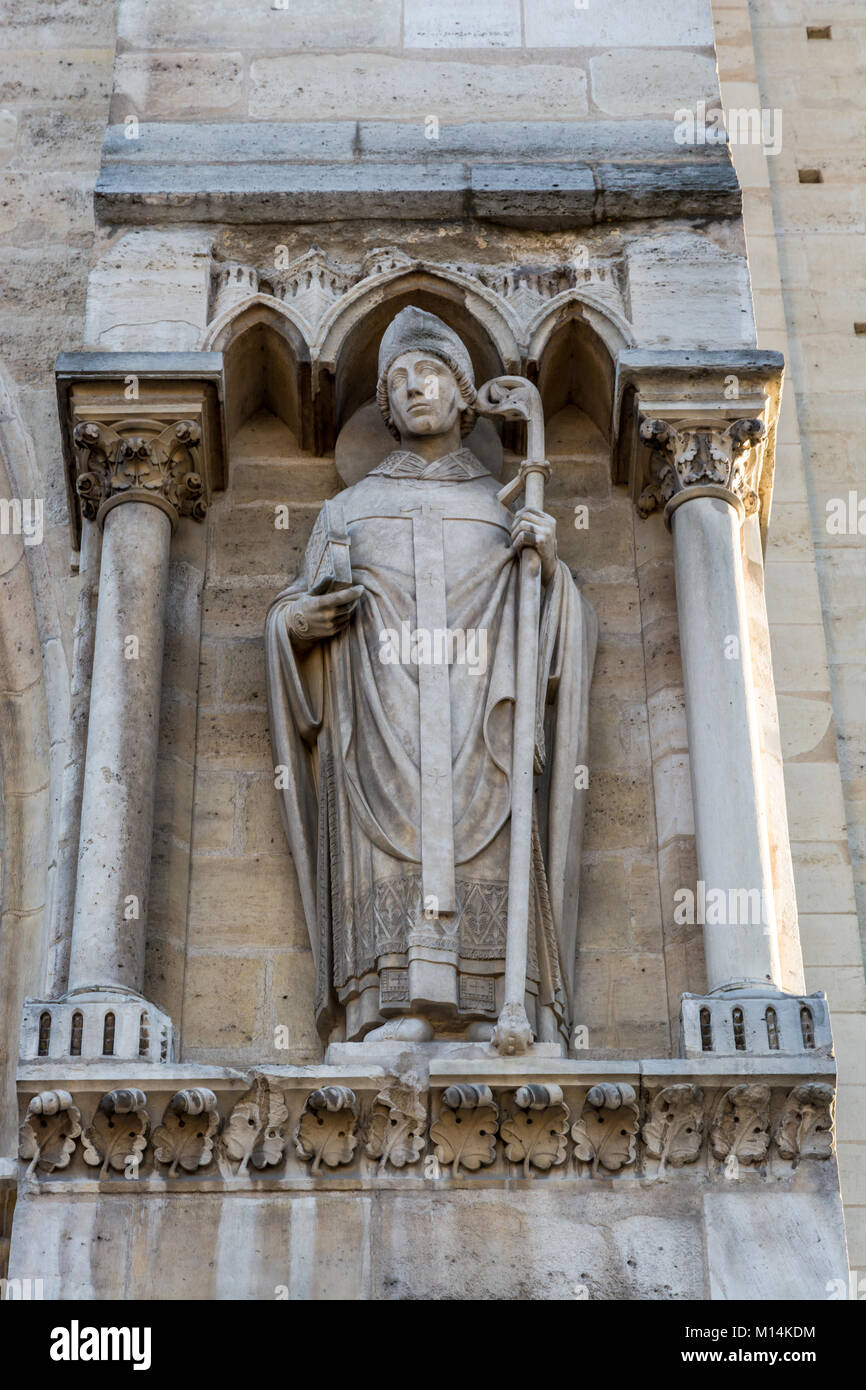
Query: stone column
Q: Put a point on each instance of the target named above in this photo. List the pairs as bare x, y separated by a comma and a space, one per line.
144, 445
135, 479
117, 807
704, 479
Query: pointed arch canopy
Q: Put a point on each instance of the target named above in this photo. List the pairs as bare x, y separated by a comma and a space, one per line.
267, 364
348, 341
316, 378
572, 349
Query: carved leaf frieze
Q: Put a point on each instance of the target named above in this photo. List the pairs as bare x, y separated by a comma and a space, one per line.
326, 1129
47, 1136
117, 1138
605, 1133
337, 1125
185, 1138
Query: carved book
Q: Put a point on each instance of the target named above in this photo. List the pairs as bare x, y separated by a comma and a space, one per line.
326, 563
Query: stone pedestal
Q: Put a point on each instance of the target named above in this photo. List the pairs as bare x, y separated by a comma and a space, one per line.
755, 1022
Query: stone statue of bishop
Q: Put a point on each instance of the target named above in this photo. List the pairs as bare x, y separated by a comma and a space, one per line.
391, 687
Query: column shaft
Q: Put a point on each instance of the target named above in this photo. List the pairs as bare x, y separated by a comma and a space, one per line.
108, 939
724, 750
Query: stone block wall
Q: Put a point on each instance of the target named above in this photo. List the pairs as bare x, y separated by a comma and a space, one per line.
808, 271
249, 967
54, 96
496, 60
213, 119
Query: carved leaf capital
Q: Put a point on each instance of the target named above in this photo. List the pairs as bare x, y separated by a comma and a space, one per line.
684, 457
140, 458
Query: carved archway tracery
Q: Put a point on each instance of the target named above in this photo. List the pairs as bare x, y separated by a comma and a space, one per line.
330, 353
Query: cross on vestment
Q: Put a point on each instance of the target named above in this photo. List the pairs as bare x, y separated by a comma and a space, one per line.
434, 701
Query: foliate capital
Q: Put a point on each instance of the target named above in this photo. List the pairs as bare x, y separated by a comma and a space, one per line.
143, 426
702, 460
139, 460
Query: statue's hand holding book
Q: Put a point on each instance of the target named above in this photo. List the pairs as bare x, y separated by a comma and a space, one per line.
331, 598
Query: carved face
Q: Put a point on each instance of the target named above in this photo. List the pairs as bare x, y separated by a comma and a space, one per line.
423, 395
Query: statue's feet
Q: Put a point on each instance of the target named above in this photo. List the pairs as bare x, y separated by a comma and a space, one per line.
512, 1034
407, 1029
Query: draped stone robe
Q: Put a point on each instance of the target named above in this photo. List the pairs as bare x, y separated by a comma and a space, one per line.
397, 772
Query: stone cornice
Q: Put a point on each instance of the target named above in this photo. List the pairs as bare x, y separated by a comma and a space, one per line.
545, 174
705, 406
146, 426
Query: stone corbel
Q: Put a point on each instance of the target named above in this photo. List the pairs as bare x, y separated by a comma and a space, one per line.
146, 426
706, 421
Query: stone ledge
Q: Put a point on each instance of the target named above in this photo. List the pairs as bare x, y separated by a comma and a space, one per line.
542, 195
260, 143
161, 1077
419, 1116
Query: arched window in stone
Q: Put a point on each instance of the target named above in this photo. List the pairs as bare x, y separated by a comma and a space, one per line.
807, 1026
772, 1029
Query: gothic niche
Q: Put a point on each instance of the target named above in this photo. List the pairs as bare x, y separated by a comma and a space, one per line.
428, 679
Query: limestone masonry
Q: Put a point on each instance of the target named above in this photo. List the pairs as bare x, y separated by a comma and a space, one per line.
433, 704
